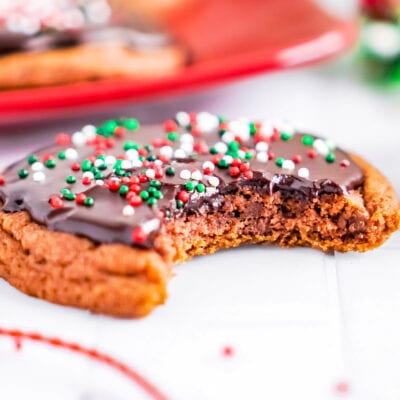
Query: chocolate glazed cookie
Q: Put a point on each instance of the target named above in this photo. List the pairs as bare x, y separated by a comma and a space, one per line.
97, 220
65, 42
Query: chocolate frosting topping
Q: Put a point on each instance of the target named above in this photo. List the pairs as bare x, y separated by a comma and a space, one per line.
119, 182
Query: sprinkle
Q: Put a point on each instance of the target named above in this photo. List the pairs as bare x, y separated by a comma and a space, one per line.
234, 171
196, 175
344, 163
170, 125
266, 129
228, 137
50, 163
213, 181
288, 164
39, 176
150, 173
61, 155
70, 179
179, 153
187, 148
170, 171
208, 167
262, 156
89, 202
189, 186
79, 139
89, 131
296, 158
2, 181
179, 204
167, 151
37, 166
221, 147
62, 139
71, 154
135, 201
311, 153
110, 160
185, 174
131, 124
261, 146
23, 173
126, 164
307, 140
303, 172
183, 119
132, 154
151, 201
183, 196
187, 138
240, 128
286, 136
207, 122
200, 188
279, 161
139, 235
56, 202
144, 194
80, 198
114, 185
321, 147
151, 225
88, 174
330, 158
123, 190
32, 159
227, 351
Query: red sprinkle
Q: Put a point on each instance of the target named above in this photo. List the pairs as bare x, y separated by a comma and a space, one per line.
75, 167
227, 351
86, 180
170, 126
80, 198
296, 158
119, 131
135, 201
248, 174
311, 153
183, 196
342, 387
143, 178
234, 171
344, 163
136, 188
63, 139
1, 181
139, 235
114, 185
56, 202
271, 155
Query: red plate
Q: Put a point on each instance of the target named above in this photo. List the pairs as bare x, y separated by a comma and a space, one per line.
228, 39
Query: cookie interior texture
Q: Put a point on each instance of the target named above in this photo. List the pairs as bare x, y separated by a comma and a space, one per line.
56, 248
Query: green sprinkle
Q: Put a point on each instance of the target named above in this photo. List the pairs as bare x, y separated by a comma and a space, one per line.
189, 186
253, 129
131, 124
158, 195
123, 190
170, 171
151, 158
148, 147
65, 192
248, 155
151, 190
119, 172
32, 159
51, 163
213, 150
86, 165
144, 194
330, 158
200, 188
129, 145
89, 202
70, 179
61, 155
234, 146
109, 127
98, 176
307, 140
70, 197
155, 183
279, 161
179, 204
152, 201
23, 173
286, 136
173, 136
102, 166
223, 163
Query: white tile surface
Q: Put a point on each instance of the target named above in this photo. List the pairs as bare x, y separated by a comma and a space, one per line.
299, 321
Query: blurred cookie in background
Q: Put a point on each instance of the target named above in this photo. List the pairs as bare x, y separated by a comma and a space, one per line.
55, 42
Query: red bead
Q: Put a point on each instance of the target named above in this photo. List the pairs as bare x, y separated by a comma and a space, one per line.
157, 142
344, 163
208, 171
139, 235
56, 202
159, 173
296, 158
193, 118
311, 153
135, 201
244, 167
275, 136
63, 139
170, 126
238, 139
143, 178
195, 132
47, 157
120, 157
271, 155
80, 198
248, 174
135, 188
234, 171
86, 180
75, 167
92, 159
161, 214
223, 126
134, 179
114, 185
215, 159
110, 143
201, 148
143, 152
119, 131
183, 196
1, 180
236, 162
163, 159
125, 180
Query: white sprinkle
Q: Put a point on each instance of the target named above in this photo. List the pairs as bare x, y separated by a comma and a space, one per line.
331, 144
79, 139
100, 182
221, 147
151, 225
285, 127
213, 181
206, 122
262, 146
182, 118
37, 166
99, 163
240, 127
288, 164
228, 137
39, 176
136, 163
186, 138
262, 156
321, 147
88, 174
158, 162
382, 39
89, 131
71, 154
110, 160
128, 211
126, 164
187, 148
208, 165
185, 174
150, 173
179, 153
303, 172
131, 154
196, 175
228, 159
266, 129
167, 151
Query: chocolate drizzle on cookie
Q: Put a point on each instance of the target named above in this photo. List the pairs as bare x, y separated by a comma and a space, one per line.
120, 182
